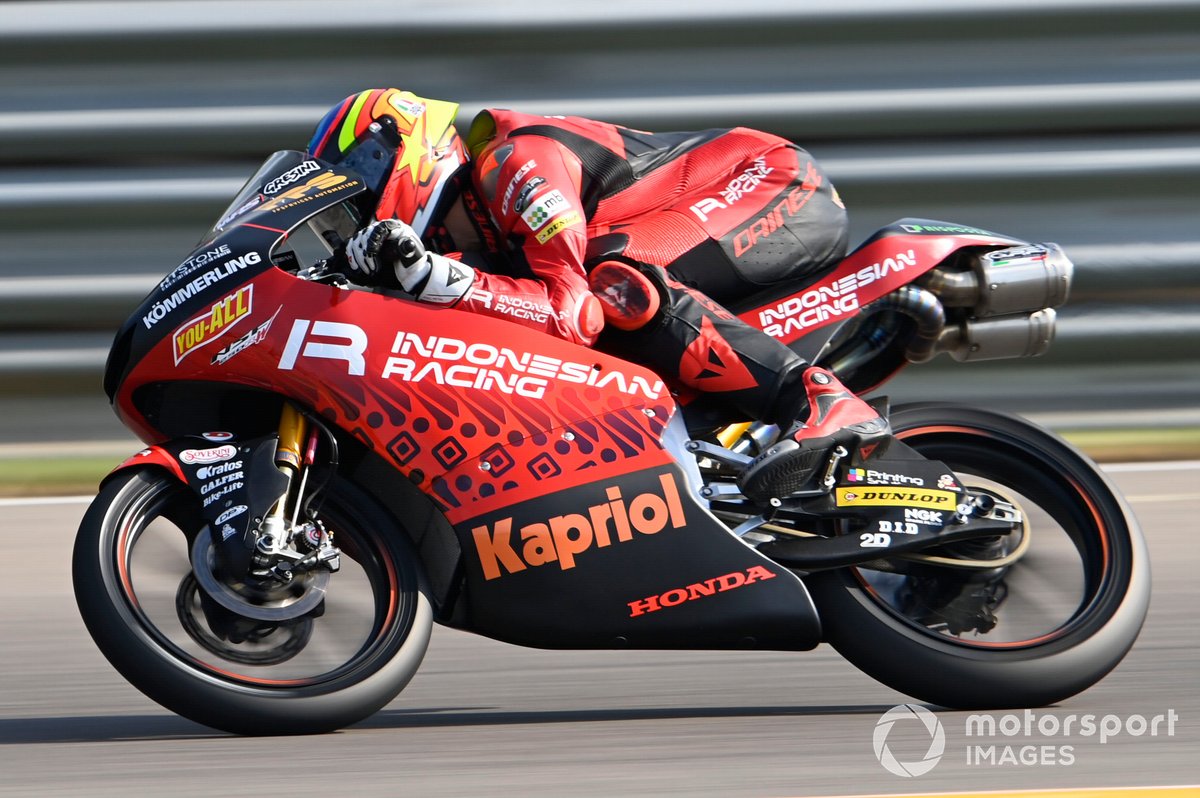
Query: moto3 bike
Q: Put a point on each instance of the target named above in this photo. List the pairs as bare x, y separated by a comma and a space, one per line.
331, 469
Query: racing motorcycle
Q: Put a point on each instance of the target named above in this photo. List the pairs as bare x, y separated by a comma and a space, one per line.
330, 469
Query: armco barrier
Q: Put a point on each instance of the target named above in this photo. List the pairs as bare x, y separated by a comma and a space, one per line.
125, 127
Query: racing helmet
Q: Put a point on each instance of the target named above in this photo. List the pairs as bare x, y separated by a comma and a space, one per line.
404, 147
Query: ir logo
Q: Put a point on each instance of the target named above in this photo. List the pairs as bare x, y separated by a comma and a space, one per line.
929, 722
351, 346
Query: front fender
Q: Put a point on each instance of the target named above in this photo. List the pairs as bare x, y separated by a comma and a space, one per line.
151, 456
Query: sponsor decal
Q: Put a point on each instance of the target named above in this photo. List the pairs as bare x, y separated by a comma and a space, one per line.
874, 540
546, 207
945, 229
231, 513
227, 532
233, 480
697, 590
775, 218
1005, 256
213, 323
217, 454
946, 481
564, 537
517, 307
163, 308
737, 188
290, 176
527, 192
932, 499
193, 263
207, 472
245, 207
221, 492
928, 517
557, 226
872, 477
450, 361
516, 181
832, 298
255, 336
302, 341
405, 106
217, 436
320, 186
898, 527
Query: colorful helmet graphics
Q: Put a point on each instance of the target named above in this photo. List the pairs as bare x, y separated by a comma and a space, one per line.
403, 146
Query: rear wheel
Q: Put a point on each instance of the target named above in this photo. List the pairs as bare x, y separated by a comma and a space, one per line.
1063, 611
334, 665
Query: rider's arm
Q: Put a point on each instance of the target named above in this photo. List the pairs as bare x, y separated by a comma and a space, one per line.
532, 194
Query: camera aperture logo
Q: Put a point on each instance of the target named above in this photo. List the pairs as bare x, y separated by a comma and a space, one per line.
927, 720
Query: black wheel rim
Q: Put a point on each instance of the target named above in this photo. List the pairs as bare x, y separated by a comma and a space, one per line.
365, 618
1066, 525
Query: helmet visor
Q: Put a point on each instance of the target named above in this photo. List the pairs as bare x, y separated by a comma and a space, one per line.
372, 156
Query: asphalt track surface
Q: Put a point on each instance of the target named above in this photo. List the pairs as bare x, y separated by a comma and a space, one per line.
483, 718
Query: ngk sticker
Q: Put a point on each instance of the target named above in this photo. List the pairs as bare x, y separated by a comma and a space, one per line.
213, 323
217, 454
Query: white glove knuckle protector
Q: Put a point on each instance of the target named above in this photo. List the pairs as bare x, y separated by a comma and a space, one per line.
356, 251
431, 277
448, 280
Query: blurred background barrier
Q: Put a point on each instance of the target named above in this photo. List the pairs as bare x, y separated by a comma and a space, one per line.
126, 127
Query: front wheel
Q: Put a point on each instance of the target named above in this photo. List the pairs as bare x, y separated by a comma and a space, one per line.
1058, 616
328, 668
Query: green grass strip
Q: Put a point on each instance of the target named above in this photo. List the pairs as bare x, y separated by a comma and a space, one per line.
55, 475
45, 476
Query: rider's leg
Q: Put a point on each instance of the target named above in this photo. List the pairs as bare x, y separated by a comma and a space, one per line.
705, 347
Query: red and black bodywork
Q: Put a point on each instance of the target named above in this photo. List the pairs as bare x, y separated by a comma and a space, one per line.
546, 485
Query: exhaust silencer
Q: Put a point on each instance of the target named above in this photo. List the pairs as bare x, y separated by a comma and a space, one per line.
1006, 281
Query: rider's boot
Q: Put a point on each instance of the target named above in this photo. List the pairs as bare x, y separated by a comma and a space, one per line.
836, 417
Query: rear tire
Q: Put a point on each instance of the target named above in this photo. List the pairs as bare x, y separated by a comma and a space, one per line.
1061, 484
119, 596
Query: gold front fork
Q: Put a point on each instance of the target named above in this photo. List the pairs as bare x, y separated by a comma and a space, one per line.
293, 428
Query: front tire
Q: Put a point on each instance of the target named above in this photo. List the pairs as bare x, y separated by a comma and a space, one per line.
138, 599
1073, 649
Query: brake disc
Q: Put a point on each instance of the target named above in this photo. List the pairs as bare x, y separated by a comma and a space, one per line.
298, 597
235, 637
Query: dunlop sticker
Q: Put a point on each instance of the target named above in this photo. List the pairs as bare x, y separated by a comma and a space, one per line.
900, 497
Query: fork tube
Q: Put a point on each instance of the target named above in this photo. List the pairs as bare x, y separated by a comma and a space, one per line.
292, 427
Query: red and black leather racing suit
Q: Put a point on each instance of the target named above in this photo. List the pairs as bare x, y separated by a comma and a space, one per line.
709, 216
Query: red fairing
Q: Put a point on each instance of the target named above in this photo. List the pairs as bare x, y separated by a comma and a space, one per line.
480, 413
875, 269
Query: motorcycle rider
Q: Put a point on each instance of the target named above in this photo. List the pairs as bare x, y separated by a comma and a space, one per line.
569, 226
